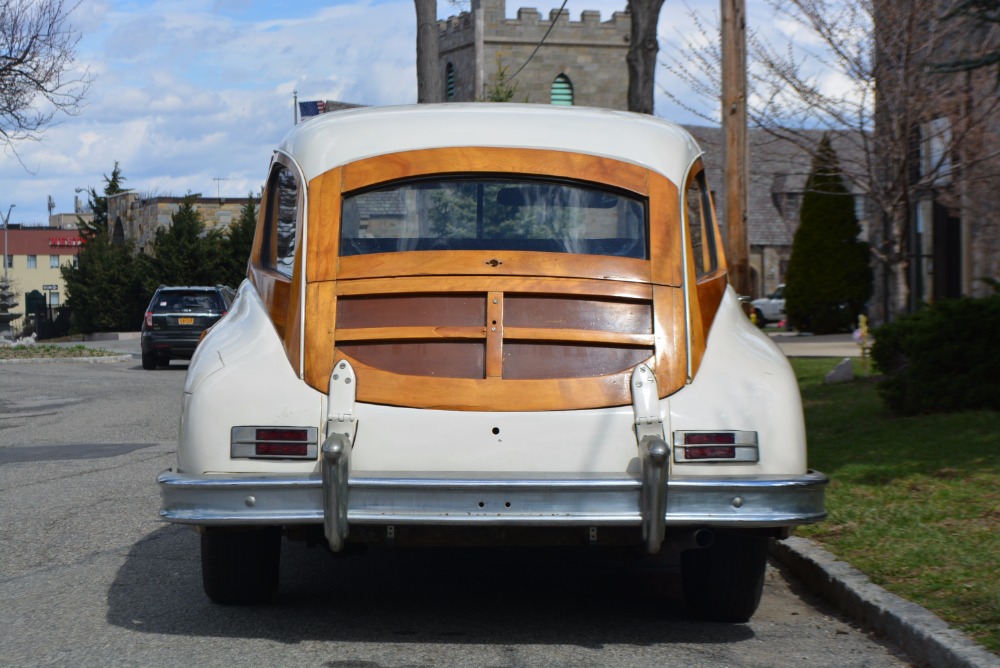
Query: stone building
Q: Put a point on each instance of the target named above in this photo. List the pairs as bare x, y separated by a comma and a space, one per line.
778, 172
137, 218
578, 63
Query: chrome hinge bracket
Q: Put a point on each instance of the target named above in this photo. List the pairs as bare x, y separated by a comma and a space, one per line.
340, 416
654, 456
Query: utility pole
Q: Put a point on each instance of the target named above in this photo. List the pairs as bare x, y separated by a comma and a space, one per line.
734, 150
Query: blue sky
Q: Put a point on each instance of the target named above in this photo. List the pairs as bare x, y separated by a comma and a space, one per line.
192, 96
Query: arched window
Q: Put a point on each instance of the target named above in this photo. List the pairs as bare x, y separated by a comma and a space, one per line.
562, 91
450, 78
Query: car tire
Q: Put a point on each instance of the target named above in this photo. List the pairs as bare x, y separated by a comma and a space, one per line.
759, 318
723, 582
240, 567
148, 361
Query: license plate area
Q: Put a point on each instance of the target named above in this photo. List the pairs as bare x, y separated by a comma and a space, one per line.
185, 321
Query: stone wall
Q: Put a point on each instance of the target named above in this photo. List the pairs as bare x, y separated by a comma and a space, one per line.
590, 52
141, 217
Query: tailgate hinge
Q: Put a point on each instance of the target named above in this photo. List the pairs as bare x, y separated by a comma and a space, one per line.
654, 455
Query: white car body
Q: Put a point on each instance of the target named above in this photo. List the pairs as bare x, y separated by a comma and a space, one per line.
396, 447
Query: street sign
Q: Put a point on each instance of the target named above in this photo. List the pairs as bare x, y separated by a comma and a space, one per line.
50, 287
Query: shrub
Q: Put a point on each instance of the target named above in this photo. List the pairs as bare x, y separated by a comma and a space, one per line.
828, 279
942, 358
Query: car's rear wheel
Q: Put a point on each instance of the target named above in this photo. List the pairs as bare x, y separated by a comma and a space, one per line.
759, 317
723, 582
148, 361
240, 566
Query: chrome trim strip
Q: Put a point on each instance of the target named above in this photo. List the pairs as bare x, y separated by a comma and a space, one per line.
516, 499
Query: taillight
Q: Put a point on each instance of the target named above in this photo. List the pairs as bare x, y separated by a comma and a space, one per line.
715, 446
274, 442
149, 319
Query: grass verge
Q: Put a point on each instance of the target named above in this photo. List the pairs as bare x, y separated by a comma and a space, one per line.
913, 501
45, 350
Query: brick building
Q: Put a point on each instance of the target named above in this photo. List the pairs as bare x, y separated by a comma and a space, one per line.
34, 257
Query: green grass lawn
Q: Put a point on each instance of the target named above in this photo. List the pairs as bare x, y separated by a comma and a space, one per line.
913, 501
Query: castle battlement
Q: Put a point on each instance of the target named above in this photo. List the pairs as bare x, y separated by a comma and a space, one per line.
456, 30
576, 62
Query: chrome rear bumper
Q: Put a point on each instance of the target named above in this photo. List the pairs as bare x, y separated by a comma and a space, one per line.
391, 498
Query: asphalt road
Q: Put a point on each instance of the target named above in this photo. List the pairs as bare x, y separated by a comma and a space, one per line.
90, 577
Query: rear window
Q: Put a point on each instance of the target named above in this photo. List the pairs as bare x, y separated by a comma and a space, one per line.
187, 300
494, 214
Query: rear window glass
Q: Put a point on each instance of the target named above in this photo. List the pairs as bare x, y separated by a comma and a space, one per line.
494, 214
179, 300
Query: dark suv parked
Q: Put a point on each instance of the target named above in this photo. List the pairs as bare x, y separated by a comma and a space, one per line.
175, 319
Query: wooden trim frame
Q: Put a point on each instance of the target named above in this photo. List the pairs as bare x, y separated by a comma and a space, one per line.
626, 287
709, 288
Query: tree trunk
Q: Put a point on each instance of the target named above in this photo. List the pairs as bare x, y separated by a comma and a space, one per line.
428, 66
642, 50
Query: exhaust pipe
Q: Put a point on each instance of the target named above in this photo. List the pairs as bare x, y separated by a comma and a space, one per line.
698, 539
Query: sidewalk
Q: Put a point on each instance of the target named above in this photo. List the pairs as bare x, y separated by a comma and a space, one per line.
794, 344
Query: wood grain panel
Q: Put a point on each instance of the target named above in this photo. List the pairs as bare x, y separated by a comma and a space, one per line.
577, 336
490, 394
493, 263
434, 310
557, 360
670, 339
410, 333
466, 160
495, 333
509, 284
665, 232
578, 312
324, 225
415, 362
321, 322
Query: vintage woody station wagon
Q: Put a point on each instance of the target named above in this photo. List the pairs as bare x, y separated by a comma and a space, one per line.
490, 323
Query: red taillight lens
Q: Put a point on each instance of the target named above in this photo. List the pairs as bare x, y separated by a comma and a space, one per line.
727, 447
707, 438
270, 434
281, 450
149, 319
275, 442
707, 452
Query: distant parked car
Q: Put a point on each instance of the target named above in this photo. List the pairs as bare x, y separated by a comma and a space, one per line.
175, 319
770, 308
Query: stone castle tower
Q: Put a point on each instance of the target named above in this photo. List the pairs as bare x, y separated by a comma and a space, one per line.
580, 62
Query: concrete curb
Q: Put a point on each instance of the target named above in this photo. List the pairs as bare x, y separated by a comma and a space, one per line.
53, 360
919, 633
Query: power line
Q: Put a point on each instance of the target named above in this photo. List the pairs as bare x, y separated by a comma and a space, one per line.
542, 41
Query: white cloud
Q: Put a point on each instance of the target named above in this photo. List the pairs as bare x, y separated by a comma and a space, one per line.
188, 91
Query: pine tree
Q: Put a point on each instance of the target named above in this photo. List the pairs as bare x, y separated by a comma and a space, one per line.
829, 279
239, 241
185, 253
105, 290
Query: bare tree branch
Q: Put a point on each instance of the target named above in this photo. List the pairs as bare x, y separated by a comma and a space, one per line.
38, 75
868, 77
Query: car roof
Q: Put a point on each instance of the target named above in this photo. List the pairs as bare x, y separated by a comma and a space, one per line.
213, 288
337, 138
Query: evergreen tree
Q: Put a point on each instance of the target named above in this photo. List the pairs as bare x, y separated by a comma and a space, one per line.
239, 241
185, 253
829, 279
105, 290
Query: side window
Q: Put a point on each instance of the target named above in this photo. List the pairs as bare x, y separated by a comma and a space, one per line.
278, 252
700, 229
